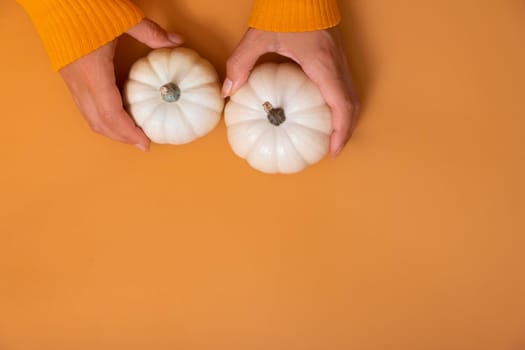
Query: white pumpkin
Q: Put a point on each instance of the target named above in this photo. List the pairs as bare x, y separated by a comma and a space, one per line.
278, 121
174, 95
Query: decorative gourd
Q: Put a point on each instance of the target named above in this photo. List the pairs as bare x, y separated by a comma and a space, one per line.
278, 121
174, 95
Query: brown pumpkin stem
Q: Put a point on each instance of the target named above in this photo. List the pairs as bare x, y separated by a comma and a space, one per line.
170, 92
275, 115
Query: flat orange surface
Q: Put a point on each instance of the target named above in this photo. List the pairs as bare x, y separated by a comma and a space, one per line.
413, 239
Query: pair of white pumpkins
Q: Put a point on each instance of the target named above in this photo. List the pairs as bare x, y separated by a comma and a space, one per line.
278, 121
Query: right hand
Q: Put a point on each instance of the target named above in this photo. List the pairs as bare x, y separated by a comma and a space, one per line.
91, 80
321, 55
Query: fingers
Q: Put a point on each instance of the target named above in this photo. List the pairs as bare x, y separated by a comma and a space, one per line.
238, 67
153, 35
334, 83
344, 105
113, 121
342, 121
108, 118
91, 80
342, 109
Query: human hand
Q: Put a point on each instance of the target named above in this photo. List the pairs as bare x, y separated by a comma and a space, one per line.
91, 80
321, 56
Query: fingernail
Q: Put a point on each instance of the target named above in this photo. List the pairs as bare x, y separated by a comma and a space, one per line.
174, 38
226, 87
142, 147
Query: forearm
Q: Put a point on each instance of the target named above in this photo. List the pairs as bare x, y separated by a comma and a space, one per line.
71, 29
294, 15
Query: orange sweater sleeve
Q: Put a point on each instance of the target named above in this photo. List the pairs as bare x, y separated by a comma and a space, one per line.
294, 15
71, 29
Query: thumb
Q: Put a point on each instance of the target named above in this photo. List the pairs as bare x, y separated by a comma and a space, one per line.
153, 35
242, 60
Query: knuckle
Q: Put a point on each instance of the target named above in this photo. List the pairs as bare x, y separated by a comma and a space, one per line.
156, 36
154, 32
347, 106
325, 59
233, 63
96, 128
109, 117
325, 55
357, 105
352, 106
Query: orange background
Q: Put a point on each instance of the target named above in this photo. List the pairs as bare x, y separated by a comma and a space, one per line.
412, 239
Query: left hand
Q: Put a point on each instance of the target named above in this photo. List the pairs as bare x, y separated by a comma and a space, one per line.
322, 57
91, 80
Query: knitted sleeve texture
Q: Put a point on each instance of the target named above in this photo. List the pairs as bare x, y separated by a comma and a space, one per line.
294, 15
71, 29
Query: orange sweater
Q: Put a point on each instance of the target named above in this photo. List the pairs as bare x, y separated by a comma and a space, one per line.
71, 29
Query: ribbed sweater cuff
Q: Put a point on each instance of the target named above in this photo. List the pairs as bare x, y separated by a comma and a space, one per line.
71, 29
294, 15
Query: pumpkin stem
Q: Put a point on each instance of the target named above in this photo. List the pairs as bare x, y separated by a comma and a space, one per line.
170, 92
275, 115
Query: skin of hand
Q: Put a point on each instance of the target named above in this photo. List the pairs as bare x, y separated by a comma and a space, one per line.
91, 80
320, 54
